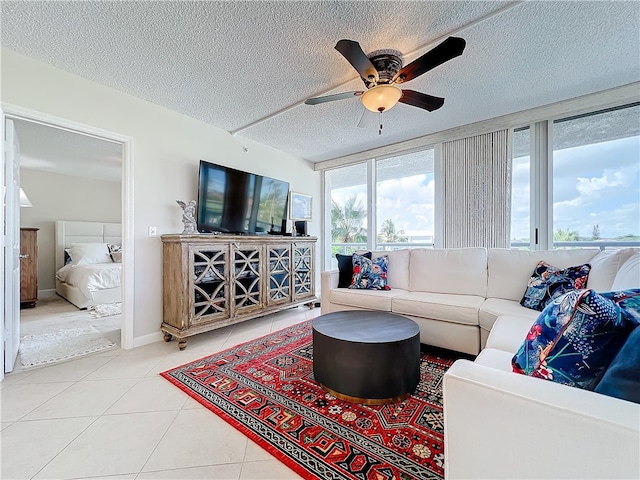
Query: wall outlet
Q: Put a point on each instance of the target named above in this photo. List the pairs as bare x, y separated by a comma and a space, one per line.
153, 232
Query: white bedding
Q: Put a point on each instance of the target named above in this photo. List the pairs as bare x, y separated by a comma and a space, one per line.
92, 277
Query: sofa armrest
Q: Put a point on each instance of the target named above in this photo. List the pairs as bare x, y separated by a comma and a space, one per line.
505, 425
329, 281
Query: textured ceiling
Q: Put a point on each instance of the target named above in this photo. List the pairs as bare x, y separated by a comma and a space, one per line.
247, 67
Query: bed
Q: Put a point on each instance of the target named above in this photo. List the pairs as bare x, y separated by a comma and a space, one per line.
92, 279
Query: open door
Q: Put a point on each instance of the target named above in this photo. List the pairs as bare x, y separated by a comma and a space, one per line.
11, 330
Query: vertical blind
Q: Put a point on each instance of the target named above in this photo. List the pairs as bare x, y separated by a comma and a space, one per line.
477, 191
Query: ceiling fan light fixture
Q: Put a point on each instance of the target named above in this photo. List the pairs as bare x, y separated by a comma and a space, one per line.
381, 97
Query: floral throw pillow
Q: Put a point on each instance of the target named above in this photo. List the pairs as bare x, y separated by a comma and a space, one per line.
370, 274
549, 282
574, 340
629, 303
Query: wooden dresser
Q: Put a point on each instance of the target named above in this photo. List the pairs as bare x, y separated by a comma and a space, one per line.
28, 267
211, 281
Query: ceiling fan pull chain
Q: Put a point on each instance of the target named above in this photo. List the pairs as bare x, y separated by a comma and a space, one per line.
380, 130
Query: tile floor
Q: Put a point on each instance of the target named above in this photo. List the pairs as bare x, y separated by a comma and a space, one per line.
110, 415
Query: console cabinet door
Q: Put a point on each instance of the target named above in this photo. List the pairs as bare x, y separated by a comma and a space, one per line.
246, 278
303, 276
279, 268
209, 299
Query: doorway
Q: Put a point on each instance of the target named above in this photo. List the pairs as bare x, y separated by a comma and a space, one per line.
109, 162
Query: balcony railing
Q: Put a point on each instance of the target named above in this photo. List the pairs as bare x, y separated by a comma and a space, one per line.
347, 248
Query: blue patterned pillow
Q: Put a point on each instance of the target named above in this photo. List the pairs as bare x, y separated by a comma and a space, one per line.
549, 282
629, 303
574, 340
370, 274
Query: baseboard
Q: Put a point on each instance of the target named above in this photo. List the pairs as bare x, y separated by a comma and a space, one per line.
51, 293
147, 339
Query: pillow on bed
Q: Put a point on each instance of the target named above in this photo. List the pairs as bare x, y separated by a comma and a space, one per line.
86, 253
116, 252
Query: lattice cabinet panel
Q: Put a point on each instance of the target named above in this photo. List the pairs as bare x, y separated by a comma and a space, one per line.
303, 272
279, 268
210, 292
246, 280
211, 281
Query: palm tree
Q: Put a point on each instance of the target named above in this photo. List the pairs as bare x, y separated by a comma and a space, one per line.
388, 233
346, 222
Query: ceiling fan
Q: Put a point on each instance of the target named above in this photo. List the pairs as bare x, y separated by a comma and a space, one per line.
382, 70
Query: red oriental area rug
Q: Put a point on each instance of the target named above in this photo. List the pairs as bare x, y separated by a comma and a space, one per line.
265, 389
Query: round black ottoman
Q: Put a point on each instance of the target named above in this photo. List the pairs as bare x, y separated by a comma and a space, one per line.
366, 356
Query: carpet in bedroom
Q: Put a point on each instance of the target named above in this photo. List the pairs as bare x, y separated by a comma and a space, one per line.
56, 331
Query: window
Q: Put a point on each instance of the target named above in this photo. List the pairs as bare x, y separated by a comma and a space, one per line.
346, 192
596, 177
520, 189
581, 184
401, 216
405, 200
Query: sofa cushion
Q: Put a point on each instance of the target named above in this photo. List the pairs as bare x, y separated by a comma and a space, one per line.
369, 274
605, 266
548, 282
367, 299
498, 359
398, 267
461, 271
439, 306
574, 340
622, 378
345, 267
509, 270
628, 275
507, 334
492, 308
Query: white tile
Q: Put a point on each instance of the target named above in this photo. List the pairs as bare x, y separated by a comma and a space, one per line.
4, 425
18, 375
125, 366
19, 399
29, 446
255, 453
71, 371
197, 438
191, 404
130, 476
267, 470
112, 445
151, 394
179, 358
86, 398
228, 471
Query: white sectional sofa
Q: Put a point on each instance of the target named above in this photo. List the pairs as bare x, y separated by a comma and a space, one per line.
500, 424
456, 295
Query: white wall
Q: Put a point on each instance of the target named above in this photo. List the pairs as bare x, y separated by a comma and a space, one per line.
167, 147
64, 197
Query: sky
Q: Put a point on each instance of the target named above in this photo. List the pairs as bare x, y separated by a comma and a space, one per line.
596, 184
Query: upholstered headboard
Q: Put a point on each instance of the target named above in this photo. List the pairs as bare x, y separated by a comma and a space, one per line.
68, 232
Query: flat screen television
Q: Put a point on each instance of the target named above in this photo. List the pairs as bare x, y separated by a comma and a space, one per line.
233, 201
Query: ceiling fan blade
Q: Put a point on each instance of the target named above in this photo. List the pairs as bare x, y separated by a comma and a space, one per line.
369, 119
355, 56
421, 100
331, 98
450, 48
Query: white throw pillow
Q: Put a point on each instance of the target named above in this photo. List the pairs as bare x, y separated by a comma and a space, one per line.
628, 276
86, 253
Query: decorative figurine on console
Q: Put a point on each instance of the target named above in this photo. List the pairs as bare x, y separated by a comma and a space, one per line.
188, 219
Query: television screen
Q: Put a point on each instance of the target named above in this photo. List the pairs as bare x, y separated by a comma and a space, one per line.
233, 201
